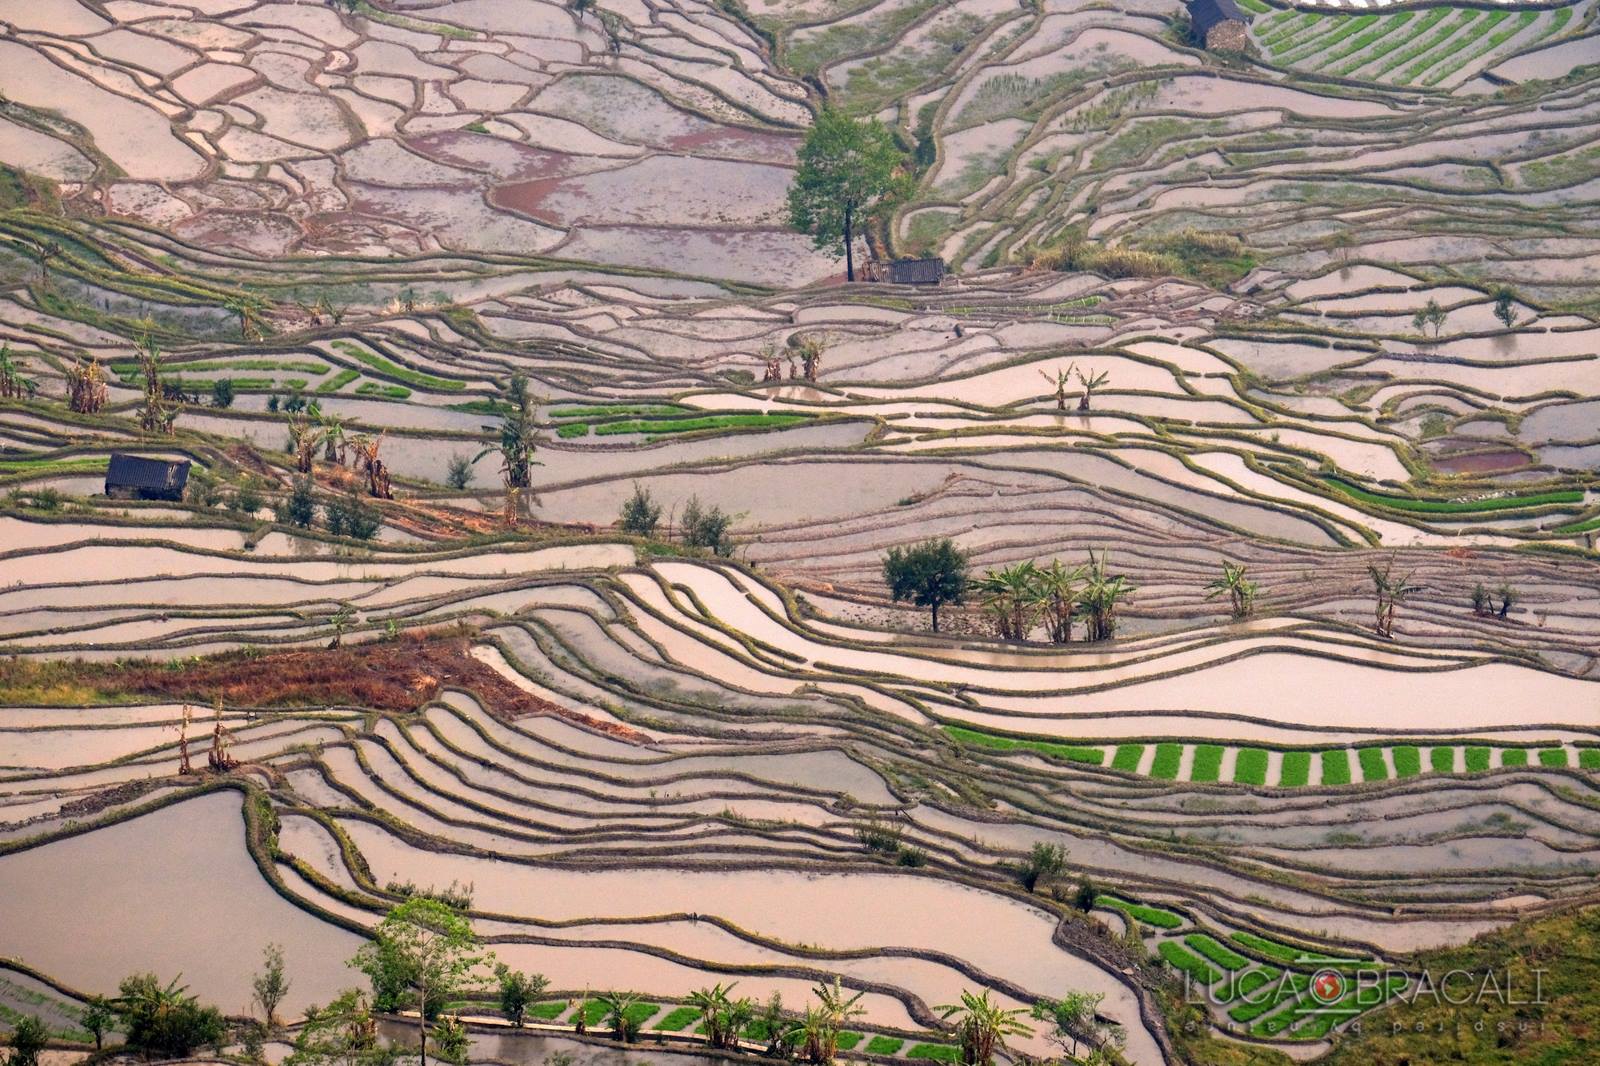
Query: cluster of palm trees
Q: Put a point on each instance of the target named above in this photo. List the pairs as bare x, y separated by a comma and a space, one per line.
812, 1037
313, 428
1021, 596
13, 386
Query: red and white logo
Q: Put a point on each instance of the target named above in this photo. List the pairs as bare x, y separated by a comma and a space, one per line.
1327, 987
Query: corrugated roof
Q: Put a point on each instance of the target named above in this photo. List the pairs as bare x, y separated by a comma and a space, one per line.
1204, 14
140, 472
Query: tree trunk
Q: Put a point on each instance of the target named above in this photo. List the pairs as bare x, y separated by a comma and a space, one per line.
422, 1027
936, 618
850, 255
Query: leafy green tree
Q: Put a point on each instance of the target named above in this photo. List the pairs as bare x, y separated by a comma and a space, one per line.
424, 951
164, 1020
1505, 306
271, 984
518, 991
28, 1040
982, 1026
451, 1041
344, 1033
846, 173
299, 508
347, 516
222, 392
640, 513
97, 1019
1045, 862
1057, 588
1074, 1019
930, 574
707, 528
1084, 898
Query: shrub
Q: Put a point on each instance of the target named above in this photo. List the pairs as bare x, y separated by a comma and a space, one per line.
640, 513
1045, 862
299, 508
164, 1020
28, 1040
708, 529
911, 856
222, 392
879, 838
347, 516
459, 474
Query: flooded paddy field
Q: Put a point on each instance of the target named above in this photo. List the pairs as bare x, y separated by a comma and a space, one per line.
542, 478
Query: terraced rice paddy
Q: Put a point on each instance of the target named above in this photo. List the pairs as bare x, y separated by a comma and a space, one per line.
662, 766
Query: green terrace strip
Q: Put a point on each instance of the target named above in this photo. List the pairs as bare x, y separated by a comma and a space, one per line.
1168, 758
1127, 757
550, 1011
1042, 747
1250, 767
617, 409
936, 1052
1182, 960
884, 1045
378, 388
1493, 503
1443, 760
1207, 762
339, 381
1153, 916
1407, 760
1296, 769
1477, 760
658, 427
676, 1020
1336, 767
848, 1041
396, 371
131, 370
1285, 988
1216, 951
1373, 768
1291, 953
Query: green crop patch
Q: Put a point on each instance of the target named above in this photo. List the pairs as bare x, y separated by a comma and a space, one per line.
1407, 760
1216, 951
1184, 961
1556, 758
677, 1019
1296, 769
1127, 757
1207, 762
1336, 767
936, 1052
1443, 760
1477, 760
1250, 766
1168, 758
1152, 916
1069, 752
884, 1045
1426, 506
1514, 757
1373, 767
391, 369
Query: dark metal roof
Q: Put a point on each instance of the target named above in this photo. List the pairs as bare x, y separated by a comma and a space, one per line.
916, 271
1204, 14
139, 472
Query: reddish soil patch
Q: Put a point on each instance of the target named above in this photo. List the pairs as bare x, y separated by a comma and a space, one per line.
1496, 462
392, 675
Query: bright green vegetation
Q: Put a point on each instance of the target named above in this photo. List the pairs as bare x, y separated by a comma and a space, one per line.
936, 1052
1553, 1032
1477, 760
1336, 767
658, 427
1043, 747
1579, 527
394, 370
128, 371
677, 1019
1292, 954
553, 1009
1168, 758
848, 1041
1250, 767
1153, 916
606, 410
1407, 760
1514, 757
1127, 757
375, 388
1392, 42
884, 1045
1589, 758
572, 429
1343, 28
1286, 988
1497, 503
1310, 1020
1373, 768
1207, 762
591, 1011
1443, 760
1216, 951
1554, 757
1296, 769
339, 381
1184, 961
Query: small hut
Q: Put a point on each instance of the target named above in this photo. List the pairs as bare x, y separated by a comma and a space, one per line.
1218, 26
135, 477
916, 271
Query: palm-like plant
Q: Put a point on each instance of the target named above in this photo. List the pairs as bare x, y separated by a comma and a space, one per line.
367, 461
821, 1025
248, 310
47, 252
519, 434
304, 438
983, 1026
13, 386
1056, 589
713, 1004
1102, 594
156, 415
1010, 596
620, 1014
1237, 586
1060, 379
1391, 592
336, 443
1090, 382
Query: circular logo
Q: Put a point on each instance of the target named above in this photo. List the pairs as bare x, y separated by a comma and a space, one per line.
1327, 987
